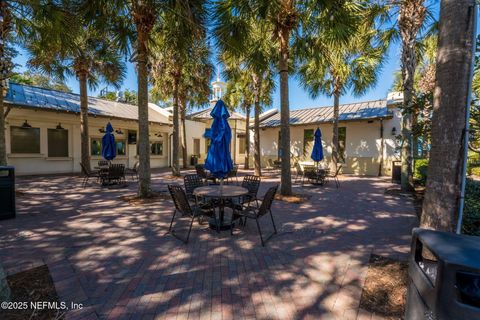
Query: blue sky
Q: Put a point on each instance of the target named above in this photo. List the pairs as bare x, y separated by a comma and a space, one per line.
299, 98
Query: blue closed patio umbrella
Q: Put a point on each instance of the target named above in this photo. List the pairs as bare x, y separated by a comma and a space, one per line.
219, 161
109, 147
317, 152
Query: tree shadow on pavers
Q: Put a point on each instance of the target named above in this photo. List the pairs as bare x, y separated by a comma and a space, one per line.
123, 256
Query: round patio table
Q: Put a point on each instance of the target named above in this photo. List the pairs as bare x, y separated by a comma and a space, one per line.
220, 193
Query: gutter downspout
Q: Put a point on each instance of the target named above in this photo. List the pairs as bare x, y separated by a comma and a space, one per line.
467, 124
380, 166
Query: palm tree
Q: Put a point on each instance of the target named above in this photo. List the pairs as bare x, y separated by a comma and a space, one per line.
90, 54
16, 21
183, 24
411, 18
334, 68
284, 21
239, 95
193, 86
247, 84
444, 190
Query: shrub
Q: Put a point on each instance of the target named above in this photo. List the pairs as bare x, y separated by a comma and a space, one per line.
420, 171
471, 213
475, 171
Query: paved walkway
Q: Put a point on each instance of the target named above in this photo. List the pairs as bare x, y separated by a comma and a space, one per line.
117, 260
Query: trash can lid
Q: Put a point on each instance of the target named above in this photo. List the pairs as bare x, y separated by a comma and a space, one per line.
452, 248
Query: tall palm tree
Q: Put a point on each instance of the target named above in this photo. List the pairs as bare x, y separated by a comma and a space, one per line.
193, 86
183, 24
411, 18
134, 21
90, 54
239, 95
285, 20
247, 84
16, 22
252, 66
334, 68
443, 194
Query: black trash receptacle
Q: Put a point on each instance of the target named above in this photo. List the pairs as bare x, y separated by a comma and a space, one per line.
7, 192
396, 171
194, 160
444, 276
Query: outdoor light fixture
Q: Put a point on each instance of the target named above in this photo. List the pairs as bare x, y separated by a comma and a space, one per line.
394, 131
26, 124
101, 130
119, 131
59, 127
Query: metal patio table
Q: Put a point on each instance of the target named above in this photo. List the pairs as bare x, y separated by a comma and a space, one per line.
220, 194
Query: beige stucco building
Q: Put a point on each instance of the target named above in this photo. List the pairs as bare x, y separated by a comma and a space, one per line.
367, 135
43, 132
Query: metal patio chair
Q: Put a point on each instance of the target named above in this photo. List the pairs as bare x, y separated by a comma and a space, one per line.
183, 207
334, 176
202, 173
87, 174
256, 214
133, 171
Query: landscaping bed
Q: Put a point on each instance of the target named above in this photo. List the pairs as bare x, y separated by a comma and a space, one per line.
34, 285
385, 289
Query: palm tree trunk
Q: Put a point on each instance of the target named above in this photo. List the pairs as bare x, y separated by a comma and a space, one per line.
143, 130
336, 112
256, 125
412, 14
246, 165
176, 131
286, 180
3, 145
183, 107
451, 97
84, 136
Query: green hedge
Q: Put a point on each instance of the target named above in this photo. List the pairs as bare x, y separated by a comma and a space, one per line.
471, 214
420, 171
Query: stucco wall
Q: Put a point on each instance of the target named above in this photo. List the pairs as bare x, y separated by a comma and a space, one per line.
362, 145
42, 164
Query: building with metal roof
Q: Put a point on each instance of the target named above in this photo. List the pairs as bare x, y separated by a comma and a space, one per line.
36, 98
366, 110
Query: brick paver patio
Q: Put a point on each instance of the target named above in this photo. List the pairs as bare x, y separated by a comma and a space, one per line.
118, 261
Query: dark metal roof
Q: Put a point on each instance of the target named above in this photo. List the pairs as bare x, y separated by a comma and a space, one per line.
348, 112
205, 115
40, 98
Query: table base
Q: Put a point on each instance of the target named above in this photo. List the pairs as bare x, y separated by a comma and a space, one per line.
224, 224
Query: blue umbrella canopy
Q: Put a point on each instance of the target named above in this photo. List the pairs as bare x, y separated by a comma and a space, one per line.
317, 152
219, 161
109, 147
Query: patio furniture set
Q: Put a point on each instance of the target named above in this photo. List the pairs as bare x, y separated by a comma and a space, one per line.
316, 175
108, 173
203, 198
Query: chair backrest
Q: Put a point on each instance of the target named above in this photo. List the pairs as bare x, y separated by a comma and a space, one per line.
200, 169
116, 170
103, 163
339, 167
85, 171
309, 171
180, 199
270, 162
135, 166
192, 181
233, 172
251, 183
299, 168
267, 201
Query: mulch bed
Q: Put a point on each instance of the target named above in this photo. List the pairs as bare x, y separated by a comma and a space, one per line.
385, 289
154, 196
34, 285
294, 198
